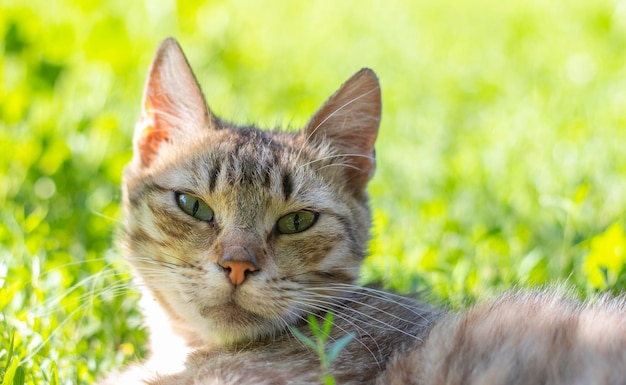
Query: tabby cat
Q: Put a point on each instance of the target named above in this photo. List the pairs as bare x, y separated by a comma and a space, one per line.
239, 235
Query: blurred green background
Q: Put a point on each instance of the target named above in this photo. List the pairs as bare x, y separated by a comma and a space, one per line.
501, 158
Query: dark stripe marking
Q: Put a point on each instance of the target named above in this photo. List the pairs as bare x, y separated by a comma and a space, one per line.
213, 178
287, 186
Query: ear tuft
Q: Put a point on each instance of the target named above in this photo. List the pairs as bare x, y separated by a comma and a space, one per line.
349, 121
173, 104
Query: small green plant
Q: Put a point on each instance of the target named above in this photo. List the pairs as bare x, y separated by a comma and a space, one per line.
319, 343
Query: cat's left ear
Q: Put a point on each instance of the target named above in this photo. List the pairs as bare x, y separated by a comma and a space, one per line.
173, 105
349, 122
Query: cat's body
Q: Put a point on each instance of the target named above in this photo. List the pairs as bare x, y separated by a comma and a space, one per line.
240, 234
522, 338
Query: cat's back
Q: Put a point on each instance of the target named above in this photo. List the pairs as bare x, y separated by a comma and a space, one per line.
521, 338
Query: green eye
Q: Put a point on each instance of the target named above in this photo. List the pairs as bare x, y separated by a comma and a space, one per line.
194, 206
296, 222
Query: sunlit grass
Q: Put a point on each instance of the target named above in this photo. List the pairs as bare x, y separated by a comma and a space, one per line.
500, 156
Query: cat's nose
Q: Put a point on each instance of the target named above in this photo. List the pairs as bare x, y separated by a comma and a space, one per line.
238, 271
237, 262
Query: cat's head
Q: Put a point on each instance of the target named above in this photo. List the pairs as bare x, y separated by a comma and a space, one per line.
239, 232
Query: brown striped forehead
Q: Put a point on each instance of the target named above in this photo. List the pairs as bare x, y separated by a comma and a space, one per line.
253, 172
254, 158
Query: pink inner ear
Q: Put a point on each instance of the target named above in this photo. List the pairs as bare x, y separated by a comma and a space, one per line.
151, 134
152, 130
173, 106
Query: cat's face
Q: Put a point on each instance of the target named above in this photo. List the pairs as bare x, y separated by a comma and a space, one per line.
238, 232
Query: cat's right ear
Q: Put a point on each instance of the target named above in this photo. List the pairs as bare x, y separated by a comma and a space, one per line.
173, 104
349, 121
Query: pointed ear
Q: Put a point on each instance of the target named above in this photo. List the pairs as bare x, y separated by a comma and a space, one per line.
349, 121
173, 104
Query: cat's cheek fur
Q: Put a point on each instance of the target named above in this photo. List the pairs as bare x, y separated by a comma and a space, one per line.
189, 315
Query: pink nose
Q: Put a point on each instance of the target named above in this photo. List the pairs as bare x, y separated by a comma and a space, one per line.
237, 271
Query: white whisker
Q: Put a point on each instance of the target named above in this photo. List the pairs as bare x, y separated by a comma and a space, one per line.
348, 320
329, 157
377, 323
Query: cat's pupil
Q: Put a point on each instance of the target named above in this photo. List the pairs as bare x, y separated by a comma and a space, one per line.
296, 222
196, 206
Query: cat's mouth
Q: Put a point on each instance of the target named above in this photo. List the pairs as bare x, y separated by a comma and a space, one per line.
231, 323
231, 314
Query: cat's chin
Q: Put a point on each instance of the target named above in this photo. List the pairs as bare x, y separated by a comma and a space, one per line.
230, 324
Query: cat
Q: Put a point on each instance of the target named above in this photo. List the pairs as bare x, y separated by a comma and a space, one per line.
239, 235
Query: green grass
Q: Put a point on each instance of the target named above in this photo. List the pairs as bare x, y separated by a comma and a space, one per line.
327, 350
500, 159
